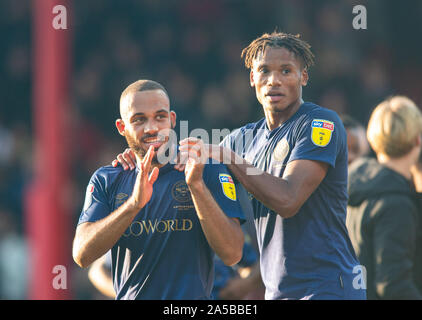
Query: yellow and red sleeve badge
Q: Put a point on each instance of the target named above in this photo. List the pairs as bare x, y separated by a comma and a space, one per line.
321, 132
227, 183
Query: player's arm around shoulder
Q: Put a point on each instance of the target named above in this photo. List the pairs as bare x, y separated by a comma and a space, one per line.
222, 231
306, 169
284, 195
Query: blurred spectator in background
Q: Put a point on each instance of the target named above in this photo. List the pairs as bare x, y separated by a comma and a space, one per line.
357, 144
417, 182
383, 217
241, 282
13, 259
417, 175
101, 277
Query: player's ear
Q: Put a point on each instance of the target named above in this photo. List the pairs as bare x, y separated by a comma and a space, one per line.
120, 125
305, 77
252, 82
173, 119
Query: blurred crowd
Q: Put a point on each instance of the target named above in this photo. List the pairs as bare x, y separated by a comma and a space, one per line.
193, 48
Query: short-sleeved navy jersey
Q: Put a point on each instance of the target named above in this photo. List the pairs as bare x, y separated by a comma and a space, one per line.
310, 254
164, 254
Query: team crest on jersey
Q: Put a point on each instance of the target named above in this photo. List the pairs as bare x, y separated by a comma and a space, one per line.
180, 191
281, 150
321, 132
88, 196
227, 184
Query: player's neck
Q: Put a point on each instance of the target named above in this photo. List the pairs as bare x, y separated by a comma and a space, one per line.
400, 165
275, 119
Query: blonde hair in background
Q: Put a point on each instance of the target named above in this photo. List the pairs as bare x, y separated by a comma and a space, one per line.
394, 126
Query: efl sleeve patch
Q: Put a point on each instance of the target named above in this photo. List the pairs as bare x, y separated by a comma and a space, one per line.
227, 184
321, 132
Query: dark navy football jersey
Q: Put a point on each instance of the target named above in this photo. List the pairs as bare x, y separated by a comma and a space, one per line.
163, 254
310, 254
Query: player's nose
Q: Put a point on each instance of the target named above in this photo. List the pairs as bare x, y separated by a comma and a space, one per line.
151, 127
274, 79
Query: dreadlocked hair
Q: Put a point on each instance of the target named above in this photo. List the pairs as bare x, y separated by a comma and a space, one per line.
291, 42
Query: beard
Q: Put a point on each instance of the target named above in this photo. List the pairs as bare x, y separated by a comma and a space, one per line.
137, 147
140, 150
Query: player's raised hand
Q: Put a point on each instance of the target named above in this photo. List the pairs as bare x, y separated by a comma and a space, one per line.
127, 159
213, 151
142, 191
180, 163
193, 155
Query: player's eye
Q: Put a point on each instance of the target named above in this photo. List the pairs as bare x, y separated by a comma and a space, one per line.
285, 71
138, 120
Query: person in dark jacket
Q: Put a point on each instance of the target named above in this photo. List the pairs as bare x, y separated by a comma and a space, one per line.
383, 215
417, 182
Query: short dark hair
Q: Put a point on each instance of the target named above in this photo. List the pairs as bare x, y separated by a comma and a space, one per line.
139, 86
144, 85
293, 43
